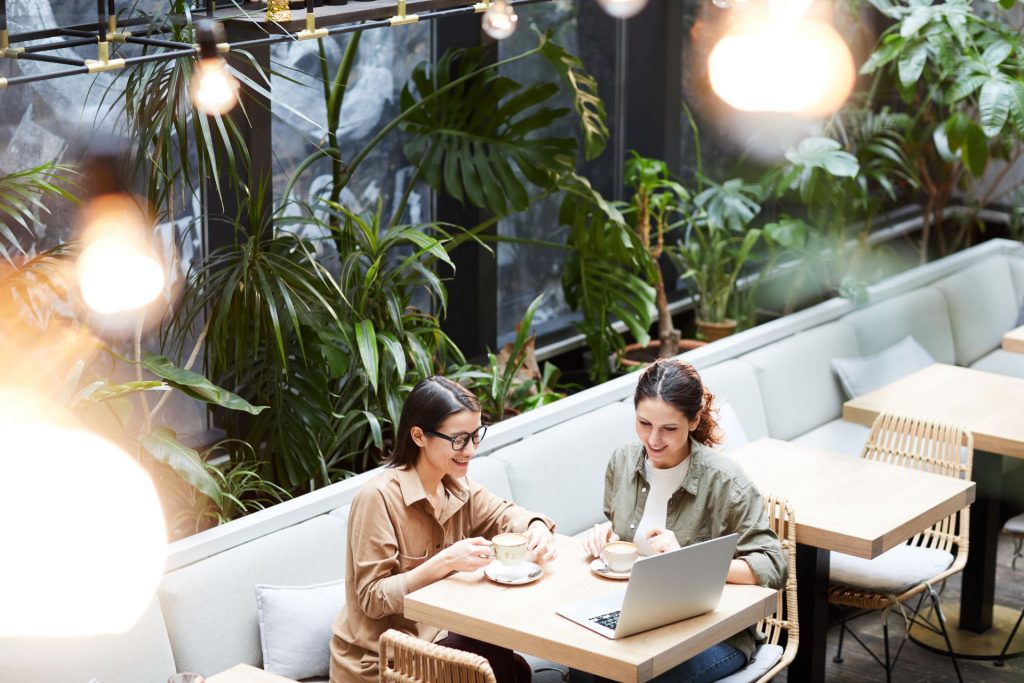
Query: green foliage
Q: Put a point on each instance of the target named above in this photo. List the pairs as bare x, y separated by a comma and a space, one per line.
960, 68
470, 150
22, 196
606, 273
501, 385
717, 243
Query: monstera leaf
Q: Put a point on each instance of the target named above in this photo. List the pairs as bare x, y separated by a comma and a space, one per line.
470, 129
583, 86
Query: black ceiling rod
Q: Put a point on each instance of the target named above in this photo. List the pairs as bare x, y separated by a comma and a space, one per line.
211, 7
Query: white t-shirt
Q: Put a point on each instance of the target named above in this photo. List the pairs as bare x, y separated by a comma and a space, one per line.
663, 484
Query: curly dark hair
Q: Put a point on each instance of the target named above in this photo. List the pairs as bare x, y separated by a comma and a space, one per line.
678, 384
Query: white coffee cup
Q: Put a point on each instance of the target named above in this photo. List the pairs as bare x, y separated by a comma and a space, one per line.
509, 549
619, 556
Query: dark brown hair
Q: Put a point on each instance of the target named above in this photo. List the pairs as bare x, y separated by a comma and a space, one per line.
678, 384
429, 404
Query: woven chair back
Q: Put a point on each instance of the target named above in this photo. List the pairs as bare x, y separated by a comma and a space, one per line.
407, 659
936, 447
786, 620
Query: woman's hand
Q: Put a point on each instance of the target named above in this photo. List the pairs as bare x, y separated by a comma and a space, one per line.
662, 540
541, 541
467, 555
600, 536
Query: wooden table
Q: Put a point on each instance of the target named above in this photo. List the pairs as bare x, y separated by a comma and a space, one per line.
992, 407
843, 503
243, 673
1014, 340
523, 618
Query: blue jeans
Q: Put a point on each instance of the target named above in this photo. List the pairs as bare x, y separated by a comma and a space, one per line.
718, 661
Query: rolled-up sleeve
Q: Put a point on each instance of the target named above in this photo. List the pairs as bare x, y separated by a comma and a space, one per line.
380, 585
493, 515
758, 545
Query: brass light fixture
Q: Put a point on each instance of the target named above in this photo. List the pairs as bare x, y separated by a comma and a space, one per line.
277, 11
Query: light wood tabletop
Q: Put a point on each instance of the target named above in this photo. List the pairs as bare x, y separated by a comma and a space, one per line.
523, 618
244, 673
1014, 340
987, 404
847, 504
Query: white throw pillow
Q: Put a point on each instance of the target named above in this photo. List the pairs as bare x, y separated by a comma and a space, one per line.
295, 627
860, 375
733, 435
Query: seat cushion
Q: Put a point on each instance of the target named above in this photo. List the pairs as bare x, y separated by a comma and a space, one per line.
1002, 363
890, 573
765, 657
1014, 525
1017, 272
733, 435
863, 374
143, 653
838, 435
922, 314
982, 306
735, 381
210, 606
560, 471
799, 391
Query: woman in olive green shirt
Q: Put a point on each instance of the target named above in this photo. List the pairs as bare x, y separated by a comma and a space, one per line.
672, 489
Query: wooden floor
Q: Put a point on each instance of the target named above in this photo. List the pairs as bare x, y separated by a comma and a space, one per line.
917, 664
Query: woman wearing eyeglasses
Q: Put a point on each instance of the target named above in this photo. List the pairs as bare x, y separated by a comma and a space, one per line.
418, 521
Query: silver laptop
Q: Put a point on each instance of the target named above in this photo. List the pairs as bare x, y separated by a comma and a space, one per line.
662, 589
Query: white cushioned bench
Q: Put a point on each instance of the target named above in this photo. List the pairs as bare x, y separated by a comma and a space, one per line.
777, 380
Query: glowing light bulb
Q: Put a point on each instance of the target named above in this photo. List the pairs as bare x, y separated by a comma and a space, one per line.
214, 90
622, 9
117, 271
721, 4
499, 21
802, 66
85, 557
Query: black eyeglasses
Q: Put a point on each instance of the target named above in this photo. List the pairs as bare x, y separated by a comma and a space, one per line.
460, 441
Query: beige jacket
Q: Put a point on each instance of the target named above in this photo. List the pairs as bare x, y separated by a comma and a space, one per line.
392, 528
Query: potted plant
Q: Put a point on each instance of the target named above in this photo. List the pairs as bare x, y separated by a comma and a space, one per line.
716, 244
656, 208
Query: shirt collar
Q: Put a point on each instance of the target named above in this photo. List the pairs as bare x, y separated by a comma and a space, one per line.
692, 478
412, 490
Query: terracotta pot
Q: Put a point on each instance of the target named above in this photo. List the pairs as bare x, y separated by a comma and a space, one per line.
637, 355
715, 331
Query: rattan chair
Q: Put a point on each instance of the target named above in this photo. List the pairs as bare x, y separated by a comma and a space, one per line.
786, 621
1015, 527
932, 447
407, 659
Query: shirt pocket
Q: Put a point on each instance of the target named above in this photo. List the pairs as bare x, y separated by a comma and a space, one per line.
409, 562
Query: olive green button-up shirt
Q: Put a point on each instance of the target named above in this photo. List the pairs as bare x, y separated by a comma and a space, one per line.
716, 498
392, 529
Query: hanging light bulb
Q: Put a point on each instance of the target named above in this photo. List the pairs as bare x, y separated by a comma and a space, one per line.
622, 9
499, 21
117, 269
214, 89
86, 557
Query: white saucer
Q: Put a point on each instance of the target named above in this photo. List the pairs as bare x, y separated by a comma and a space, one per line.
525, 572
601, 569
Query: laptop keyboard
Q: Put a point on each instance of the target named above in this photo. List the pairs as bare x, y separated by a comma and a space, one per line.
609, 621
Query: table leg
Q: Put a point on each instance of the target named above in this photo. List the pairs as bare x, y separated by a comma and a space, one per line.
812, 601
979, 577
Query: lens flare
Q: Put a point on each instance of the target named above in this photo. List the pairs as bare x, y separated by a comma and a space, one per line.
500, 20
85, 555
802, 66
117, 270
214, 89
622, 9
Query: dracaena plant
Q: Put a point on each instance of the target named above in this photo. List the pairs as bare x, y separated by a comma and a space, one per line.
959, 66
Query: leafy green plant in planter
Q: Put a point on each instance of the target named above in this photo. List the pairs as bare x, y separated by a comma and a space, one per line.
959, 67
507, 385
716, 244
